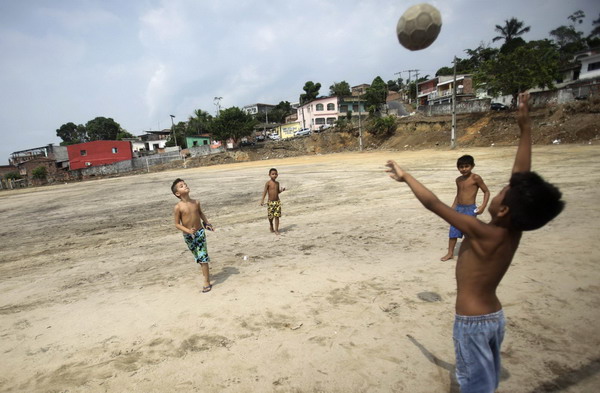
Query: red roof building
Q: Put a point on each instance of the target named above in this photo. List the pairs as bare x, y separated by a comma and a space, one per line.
96, 153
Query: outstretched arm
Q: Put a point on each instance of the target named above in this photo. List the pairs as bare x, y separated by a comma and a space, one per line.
486, 194
466, 224
207, 225
262, 200
523, 157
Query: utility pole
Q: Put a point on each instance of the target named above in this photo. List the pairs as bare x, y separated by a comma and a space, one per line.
173, 129
453, 133
416, 89
360, 139
408, 84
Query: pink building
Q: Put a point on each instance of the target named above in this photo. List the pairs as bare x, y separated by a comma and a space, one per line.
318, 112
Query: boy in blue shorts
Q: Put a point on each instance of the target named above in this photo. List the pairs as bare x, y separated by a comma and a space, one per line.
190, 219
467, 185
526, 203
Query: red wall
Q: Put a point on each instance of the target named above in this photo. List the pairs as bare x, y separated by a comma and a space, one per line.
98, 153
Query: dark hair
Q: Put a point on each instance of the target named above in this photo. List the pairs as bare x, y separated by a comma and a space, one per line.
174, 185
465, 160
532, 201
271, 170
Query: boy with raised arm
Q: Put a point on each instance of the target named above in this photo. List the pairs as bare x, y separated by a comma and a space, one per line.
526, 203
190, 219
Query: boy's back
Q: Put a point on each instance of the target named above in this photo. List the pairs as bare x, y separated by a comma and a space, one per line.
527, 203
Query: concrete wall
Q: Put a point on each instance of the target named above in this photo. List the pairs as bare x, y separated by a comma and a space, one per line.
471, 106
204, 150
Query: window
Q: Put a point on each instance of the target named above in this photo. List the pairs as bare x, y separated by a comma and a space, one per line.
115, 150
354, 108
330, 107
205, 142
320, 120
594, 66
331, 120
319, 107
83, 152
343, 108
195, 143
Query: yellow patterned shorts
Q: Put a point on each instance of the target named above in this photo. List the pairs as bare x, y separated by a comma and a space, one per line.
273, 209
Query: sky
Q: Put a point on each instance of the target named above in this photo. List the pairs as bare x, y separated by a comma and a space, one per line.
140, 61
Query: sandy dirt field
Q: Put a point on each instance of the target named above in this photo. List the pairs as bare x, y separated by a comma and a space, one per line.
99, 293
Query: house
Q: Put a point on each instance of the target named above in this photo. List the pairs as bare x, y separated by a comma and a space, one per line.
96, 153
353, 105
424, 89
444, 90
154, 140
255, 109
288, 130
27, 168
56, 153
197, 140
318, 112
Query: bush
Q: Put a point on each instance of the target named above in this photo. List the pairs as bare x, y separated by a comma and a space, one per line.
384, 126
13, 176
40, 173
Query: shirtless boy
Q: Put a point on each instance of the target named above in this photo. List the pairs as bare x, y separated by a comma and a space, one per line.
190, 219
526, 203
467, 185
274, 204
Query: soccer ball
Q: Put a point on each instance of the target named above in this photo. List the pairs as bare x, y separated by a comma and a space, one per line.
419, 26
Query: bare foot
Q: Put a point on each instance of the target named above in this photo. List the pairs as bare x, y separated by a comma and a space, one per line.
272, 230
446, 257
277, 233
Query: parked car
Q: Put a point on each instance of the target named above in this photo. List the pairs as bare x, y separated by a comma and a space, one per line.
260, 138
496, 106
302, 132
323, 127
247, 143
274, 137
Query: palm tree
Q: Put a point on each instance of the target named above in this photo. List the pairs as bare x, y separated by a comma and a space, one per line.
512, 29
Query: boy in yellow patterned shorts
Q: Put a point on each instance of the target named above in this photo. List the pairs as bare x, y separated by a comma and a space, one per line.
273, 204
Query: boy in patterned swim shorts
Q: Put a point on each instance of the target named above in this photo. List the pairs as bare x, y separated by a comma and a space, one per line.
274, 204
190, 219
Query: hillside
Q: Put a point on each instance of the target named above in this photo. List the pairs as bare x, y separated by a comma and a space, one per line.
577, 122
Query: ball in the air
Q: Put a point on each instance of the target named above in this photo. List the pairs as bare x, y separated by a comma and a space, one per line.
419, 26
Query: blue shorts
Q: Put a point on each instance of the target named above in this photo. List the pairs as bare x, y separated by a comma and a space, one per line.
469, 210
197, 245
477, 341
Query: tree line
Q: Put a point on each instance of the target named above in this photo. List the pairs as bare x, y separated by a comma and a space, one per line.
516, 66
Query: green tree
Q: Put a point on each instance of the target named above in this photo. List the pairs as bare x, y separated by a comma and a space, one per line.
277, 114
512, 29
13, 176
199, 123
311, 91
393, 85
535, 64
569, 39
376, 95
178, 133
340, 89
102, 129
233, 123
383, 126
40, 173
124, 134
71, 134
